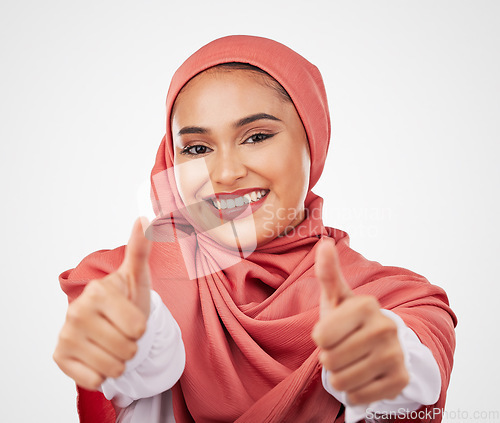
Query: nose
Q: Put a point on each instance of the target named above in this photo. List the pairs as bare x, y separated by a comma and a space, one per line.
227, 167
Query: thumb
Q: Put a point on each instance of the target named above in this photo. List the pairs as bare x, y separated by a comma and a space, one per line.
135, 265
333, 285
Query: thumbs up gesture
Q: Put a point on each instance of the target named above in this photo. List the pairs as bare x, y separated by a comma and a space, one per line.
359, 344
104, 323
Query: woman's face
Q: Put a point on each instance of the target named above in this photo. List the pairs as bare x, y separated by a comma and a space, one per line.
241, 157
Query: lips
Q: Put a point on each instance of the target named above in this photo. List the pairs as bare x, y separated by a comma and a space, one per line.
228, 206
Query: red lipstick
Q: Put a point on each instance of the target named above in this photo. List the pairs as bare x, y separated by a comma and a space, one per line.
235, 211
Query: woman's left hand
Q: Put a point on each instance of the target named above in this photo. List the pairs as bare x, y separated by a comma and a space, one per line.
359, 344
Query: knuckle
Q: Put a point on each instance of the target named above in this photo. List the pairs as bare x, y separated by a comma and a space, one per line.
403, 379
131, 351
333, 381
95, 291
74, 315
329, 359
355, 398
116, 281
389, 326
397, 356
66, 338
93, 382
57, 357
385, 329
139, 328
398, 383
338, 382
318, 336
367, 303
117, 369
393, 393
392, 357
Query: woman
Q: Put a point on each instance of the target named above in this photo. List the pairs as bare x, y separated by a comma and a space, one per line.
240, 259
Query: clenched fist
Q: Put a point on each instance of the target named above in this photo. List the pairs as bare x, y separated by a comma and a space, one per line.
359, 344
103, 324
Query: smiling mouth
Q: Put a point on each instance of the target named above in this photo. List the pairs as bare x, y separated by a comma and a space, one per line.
236, 205
228, 202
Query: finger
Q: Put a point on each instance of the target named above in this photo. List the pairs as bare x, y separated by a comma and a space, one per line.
102, 299
97, 363
83, 375
345, 354
112, 340
386, 387
124, 315
374, 331
328, 272
337, 324
97, 359
357, 375
136, 261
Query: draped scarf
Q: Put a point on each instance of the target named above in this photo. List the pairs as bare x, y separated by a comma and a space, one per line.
246, 319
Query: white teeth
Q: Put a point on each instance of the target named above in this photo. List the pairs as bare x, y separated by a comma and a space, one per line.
239, 201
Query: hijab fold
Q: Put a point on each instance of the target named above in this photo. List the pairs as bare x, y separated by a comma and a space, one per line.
246, 324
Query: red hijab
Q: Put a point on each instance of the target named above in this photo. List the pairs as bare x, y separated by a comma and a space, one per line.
247, 324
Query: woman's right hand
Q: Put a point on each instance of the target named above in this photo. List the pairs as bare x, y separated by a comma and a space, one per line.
105, 322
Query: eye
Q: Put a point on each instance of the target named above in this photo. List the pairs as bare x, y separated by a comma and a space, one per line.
256, 138
195, 150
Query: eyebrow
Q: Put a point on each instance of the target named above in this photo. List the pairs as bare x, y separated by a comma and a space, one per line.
238, 124
192, 130
253, 118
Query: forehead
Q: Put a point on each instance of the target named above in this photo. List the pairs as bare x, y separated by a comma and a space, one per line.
234, 75
223, 91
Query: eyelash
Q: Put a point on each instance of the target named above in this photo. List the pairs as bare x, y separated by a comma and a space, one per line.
262, 137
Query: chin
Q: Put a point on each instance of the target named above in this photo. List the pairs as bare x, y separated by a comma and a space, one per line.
243, 234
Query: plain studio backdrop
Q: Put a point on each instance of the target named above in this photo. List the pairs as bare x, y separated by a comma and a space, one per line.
412, 174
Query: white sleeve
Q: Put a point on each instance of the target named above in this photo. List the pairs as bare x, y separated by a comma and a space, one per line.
423, 388
158, 363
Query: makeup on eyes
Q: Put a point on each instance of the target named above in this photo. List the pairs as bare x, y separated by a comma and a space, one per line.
192, 149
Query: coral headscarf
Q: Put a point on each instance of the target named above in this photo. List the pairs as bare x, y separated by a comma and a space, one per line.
247, 327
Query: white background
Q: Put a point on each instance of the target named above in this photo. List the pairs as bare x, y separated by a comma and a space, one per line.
412, 174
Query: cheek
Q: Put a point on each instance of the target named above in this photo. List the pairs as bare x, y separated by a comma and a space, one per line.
290, 176
190, 177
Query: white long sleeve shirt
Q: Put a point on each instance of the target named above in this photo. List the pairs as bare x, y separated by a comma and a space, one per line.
143, 393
